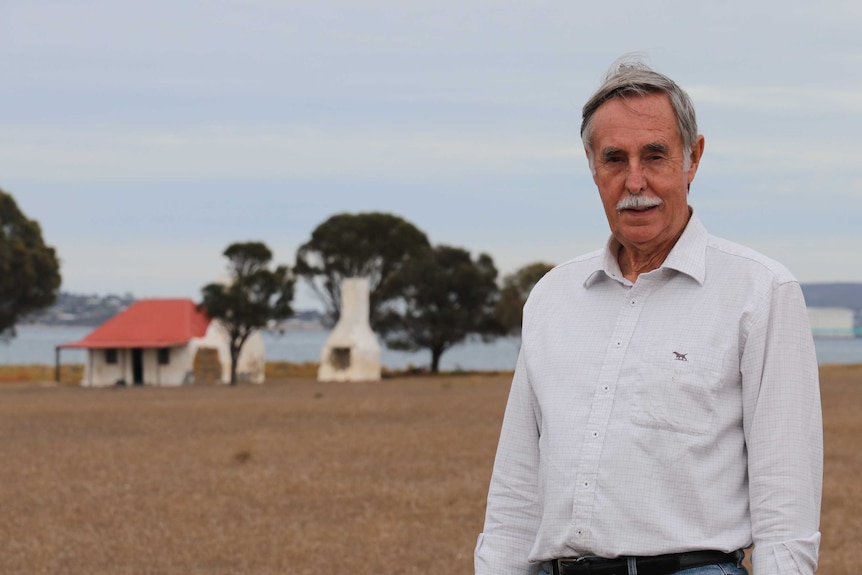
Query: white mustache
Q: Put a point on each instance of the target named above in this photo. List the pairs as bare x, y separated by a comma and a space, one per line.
635, 201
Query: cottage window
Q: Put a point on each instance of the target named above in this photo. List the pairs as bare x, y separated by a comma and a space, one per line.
111, 356
164, 355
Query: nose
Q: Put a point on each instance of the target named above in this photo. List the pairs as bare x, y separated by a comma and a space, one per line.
635, 179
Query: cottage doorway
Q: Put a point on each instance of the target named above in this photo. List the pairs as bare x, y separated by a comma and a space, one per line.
138, 366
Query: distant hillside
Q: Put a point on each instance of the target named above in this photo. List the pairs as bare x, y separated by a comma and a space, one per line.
82, 309
834, 295
846, 295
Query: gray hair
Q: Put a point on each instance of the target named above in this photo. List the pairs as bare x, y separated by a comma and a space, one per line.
629, 76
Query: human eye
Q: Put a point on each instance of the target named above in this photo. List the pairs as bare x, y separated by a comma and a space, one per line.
654, 157
655, 154
612, 156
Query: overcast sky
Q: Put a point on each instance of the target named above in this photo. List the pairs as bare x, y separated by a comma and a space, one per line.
147, 136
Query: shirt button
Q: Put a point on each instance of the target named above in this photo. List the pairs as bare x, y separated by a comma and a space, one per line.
595, 434
634, 301
619, 343
606, 388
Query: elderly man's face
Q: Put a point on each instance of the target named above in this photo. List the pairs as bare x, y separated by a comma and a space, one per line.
638, 155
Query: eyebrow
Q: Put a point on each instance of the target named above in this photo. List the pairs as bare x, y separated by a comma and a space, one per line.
657, 147
610, 152
652, 147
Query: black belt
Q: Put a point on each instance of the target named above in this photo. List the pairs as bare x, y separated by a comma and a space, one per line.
656, 565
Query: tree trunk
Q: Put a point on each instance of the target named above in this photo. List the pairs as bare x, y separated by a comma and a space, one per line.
234, 358
435, 360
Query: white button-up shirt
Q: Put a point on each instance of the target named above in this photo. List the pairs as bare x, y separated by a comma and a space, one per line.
678, 413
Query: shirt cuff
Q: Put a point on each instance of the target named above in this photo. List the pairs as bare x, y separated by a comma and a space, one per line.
795, 557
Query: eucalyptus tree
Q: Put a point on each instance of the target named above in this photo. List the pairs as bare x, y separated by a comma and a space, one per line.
439, 299
513, 295
29, 268
371, 245
254, 295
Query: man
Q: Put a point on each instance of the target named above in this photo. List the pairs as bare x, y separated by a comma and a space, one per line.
665, 409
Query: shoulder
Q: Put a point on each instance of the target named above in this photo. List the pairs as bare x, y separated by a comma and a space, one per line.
565, 280
727, 255
590, 261
574, 271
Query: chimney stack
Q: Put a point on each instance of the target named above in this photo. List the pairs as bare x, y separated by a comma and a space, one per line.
351, 352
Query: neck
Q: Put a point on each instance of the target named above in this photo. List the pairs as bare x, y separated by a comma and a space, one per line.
634, 262
635, 259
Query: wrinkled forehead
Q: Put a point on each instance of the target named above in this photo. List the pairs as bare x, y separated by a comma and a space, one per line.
637, 121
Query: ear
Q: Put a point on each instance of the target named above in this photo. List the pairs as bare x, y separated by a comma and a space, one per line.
696, 155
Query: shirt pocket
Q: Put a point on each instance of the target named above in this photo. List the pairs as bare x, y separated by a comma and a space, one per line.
677, 392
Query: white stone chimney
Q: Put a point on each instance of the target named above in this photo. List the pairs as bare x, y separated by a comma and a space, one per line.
351, 352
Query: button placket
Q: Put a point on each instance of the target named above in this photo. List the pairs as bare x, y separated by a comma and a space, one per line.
586, 479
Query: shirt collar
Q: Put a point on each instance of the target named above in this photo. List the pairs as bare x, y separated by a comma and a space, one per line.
688, 255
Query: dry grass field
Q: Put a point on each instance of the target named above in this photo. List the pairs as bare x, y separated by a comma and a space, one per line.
293, 476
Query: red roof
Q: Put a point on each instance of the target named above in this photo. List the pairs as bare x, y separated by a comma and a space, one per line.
148, 323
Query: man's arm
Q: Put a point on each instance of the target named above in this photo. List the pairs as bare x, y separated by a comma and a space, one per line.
514, 511
784, 435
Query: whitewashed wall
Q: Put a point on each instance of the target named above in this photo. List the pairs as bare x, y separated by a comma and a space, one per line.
99, 373
179, 369
252, 358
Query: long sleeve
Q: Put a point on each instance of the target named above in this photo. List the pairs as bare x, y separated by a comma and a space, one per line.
784, 435
701, 376
513, 512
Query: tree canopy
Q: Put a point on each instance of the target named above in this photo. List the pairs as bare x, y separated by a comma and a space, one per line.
255, 295
444, 296
371, 245
513, 295
29, 269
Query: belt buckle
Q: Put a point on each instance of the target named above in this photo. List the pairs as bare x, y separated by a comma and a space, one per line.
571, 562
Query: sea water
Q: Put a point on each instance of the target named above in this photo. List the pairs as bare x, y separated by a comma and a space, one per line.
37, 345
